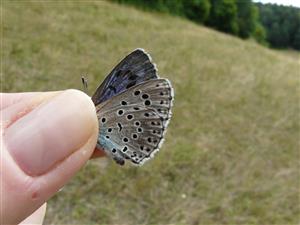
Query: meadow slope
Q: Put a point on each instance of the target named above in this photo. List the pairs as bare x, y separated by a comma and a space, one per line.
231, 155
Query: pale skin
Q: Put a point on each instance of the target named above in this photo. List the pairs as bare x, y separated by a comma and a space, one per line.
46, 137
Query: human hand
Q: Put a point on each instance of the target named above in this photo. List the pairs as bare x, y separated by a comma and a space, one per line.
46, 137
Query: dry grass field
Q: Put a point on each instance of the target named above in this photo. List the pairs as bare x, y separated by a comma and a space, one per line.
231, 155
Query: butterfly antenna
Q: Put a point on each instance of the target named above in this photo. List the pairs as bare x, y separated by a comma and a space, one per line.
84, 83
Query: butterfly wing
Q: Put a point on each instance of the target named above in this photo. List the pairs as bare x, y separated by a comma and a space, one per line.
132, 70
133, 123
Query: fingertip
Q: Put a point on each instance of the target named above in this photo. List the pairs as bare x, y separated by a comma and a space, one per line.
52, 131
86, 103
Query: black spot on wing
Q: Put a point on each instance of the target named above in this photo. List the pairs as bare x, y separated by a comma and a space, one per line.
131, 84
118, 73
120, 127
132, 77
112, 88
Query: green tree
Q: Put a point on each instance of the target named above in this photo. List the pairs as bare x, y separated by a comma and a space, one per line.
282, 25
223, 16
296, 41
197, 10
259, 34
171, 6
247, 18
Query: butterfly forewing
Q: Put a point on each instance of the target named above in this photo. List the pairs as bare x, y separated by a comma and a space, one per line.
132, 123
132, 70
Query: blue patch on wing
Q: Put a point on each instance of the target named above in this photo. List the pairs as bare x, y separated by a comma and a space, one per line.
109, 147
105, 143
132, 70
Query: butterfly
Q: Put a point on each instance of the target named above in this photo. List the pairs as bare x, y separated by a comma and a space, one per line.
133, 106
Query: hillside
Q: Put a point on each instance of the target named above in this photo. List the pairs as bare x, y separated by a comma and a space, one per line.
231, 155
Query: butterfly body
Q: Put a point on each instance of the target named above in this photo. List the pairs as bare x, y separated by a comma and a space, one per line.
133, 107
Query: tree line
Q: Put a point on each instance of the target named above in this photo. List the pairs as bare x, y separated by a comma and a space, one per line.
269, 24
282, 25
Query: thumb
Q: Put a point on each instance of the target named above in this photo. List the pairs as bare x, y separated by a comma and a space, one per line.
46, 140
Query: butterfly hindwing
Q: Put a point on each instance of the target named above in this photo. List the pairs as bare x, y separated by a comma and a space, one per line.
132, 123
132, 70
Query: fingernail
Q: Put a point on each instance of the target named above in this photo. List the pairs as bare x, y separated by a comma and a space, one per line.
51, 132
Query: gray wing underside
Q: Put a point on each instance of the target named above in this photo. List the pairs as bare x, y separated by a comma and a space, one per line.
133, 123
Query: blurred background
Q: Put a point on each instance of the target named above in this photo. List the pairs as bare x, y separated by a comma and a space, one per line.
231, 154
